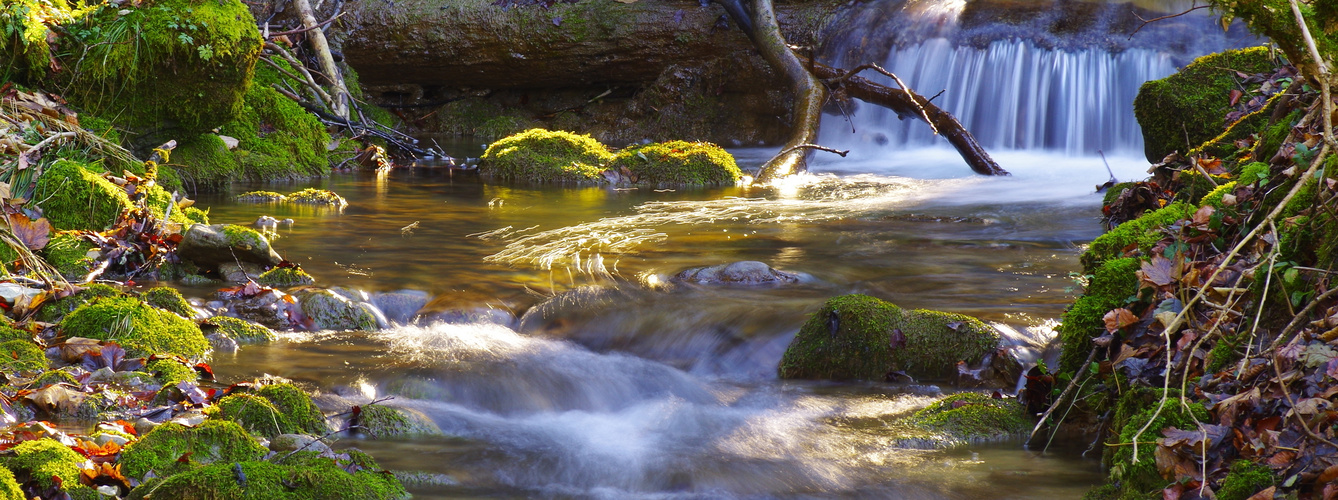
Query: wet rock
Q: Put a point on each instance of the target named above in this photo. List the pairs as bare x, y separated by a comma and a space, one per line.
329, 310
467, 316
285, 277
222, 343
861, 337
382, 421
240, 272
964, 418
294, 442
213, 245
269, 309
747, 272
401, 306
241, 331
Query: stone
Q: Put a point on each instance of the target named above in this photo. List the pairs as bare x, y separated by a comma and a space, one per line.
746, 272
328, 310
213, 245
222, 343
402, 306
240, 272
294, 442
269, 309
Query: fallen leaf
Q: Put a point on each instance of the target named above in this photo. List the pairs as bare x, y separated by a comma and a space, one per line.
33, 233
1119, 318
1160, 271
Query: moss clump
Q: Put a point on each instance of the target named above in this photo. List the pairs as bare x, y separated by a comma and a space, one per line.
1140, 233
244, 237
297, 405
1252, 173
853, 337
180, 63
384, 421
195, 215
8, 333
162, 449
204, 160
1214, 197
141, 329
313, 196
168, 299
1194, 101
679, 163
261, 197
262, 416
314, 479
51, 377
43, 461
53, 311
1141, 480
9, 488
278, 129
242, 331
21, 356
969, 416
1245, 479
68, 253
285, 277
329, 311
539, 155
72, 196
170, 371
1112, 286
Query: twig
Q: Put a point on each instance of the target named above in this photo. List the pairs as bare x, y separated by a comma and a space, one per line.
308, 28
900, 83
1063, 395
1155, 19
843, 153
309, 82
292, 60
38, 147
1300, 317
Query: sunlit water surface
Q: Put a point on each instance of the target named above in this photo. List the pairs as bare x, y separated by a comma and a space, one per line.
624, 388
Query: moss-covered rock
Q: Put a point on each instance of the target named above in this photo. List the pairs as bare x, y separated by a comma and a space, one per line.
204, 160
8, 333
330, 311
73, 196
313, 196
679, 163
281, 133
1184, 110
141, 329
284, 277
1142, 480
170, 371
314, 479
50, 377
384, 421
971, 417
162, 449
539, 155
9, 488
1112, 286
242, 331
297, 405
1140, 233
168, 299
21, 356
53, 311
861, 337
44, 462
68, 253
261, 197
209, 246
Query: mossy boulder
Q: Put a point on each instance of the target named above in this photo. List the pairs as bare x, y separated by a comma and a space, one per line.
209, 246
381, 421
1142, 480
261, 197
1140, 233
330, 311
313, 196
284, 277
539, 155
679, 163
21, 356
68, 253
298, 406
968, 417
1112, 286
313, 479
141, 329
1186, 109
9, 488
162, 449
274, 410
281, 134
73, 195
43, 462
53, 311
862, 337
168, 299
242, 331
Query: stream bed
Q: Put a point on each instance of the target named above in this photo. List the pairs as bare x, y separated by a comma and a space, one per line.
563, 366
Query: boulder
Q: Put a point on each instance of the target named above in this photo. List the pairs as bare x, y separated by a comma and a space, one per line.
241, 272
141, 329
328, 310
382, 421
400, 306
677, 163
861, 337
212, 441
746, 272
212, 245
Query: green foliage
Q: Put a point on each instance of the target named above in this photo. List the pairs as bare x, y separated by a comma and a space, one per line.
242, 331
68, 253
21, 356
314, 479
72, 196
1186, 109
1275, 20
538, 155
168, 299
1214, 197
1144, 232
280, 131
141, 329
1246, 479
284, 277
261, 197
1252, 173
43, 461
970, 416
1112, 286
679, 163
210, 442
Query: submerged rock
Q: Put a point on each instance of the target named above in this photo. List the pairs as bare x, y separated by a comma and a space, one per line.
965, 418
210, 246
328, 310
861, 337
746, 272
382, 421
401, 306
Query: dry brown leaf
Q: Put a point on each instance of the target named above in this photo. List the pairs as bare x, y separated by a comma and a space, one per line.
1119, 318
1159, 271
34, 234
1264, 495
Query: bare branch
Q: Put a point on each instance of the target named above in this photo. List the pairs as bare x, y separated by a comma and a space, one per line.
1155, 19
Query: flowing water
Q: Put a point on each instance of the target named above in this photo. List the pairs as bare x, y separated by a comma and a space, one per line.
562, 365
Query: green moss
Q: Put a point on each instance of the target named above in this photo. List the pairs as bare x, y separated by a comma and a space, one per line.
21, 356
1271, 139
170, 371
329, 311
204, 160
384, 421
141, 329
72, 196
1141, 233
42, 461
296, 404
213, 441
275, 127
25, 32
1114, 192
315, 479
9, 488
1275, 20
254, 413
51, 377
285, 277
244, 237
969, 416
1142, 478
183, 64
1214, 197
679, 163
195, 215
1112, 286
243, 331
538, 155
860, 348
68, 253
261, 197
103, 405
8, 333
169, 299
1186, 109
313, 196
53, 311
1245, 479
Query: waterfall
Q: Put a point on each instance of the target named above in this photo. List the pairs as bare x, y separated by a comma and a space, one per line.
1015, 87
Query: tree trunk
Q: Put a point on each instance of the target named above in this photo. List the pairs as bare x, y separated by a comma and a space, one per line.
338, 93
810, 94
904, 102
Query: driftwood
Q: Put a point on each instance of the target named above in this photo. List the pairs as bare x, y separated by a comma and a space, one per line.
907, 103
